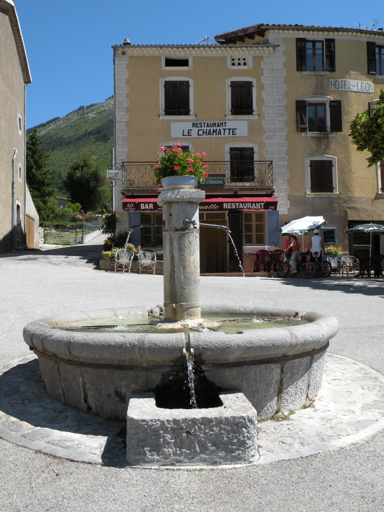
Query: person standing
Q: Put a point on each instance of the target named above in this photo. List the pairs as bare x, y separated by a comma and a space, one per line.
317, 246
294, 246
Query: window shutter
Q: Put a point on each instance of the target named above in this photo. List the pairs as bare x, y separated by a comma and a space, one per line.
382, 176
321, 176
242, 164
301, 115
371, 58
372, 104
176, 98
273, 228
335, 114
301, 59
241, 98
330, 59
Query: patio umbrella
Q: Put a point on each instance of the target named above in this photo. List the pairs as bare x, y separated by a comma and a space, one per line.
367, 228
303, 226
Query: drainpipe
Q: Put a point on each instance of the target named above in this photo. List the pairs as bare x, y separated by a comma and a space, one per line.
25, 165
14, 200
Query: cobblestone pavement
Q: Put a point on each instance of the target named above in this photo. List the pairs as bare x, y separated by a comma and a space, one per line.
343, 476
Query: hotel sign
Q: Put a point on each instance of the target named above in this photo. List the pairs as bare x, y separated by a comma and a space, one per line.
350, 85
209, 129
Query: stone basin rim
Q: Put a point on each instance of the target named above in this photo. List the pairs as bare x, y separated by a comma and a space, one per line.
160, 348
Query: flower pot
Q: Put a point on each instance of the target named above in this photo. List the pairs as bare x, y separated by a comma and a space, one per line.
179, 182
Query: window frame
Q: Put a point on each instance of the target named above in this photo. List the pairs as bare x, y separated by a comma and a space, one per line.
253, 81
380, 178
154, 233
308, 160
328, 55
372, 59
316, 107
191, 114
254, 223
334, 230
171, 144
174, 68
333, 115
242, 145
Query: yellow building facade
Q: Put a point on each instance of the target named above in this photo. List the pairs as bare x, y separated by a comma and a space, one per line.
271, 107
15, 201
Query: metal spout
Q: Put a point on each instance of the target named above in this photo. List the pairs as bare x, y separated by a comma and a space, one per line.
217, 226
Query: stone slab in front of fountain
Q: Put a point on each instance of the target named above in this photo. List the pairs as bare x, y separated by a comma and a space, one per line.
217, 435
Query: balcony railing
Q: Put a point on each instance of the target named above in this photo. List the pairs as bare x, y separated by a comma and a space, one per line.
247, 174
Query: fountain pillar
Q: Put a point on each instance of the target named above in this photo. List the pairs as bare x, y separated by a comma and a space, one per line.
181, 253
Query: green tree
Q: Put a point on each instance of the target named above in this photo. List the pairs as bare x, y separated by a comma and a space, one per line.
40, 179
367, 131
86, 184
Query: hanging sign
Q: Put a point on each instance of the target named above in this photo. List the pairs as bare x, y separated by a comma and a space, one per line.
113, 175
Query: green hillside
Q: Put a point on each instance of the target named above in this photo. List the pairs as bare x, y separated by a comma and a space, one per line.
86, 129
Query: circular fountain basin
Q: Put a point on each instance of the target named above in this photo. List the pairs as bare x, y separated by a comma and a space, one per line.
276, 368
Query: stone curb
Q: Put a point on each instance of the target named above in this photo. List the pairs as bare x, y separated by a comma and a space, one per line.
348, 410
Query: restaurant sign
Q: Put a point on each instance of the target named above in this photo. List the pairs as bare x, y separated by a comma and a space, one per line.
350, 85
211, 204
209, 129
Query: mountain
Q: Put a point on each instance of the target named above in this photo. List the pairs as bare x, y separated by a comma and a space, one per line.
86, 129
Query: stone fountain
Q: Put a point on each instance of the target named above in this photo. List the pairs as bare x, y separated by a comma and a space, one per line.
255, 373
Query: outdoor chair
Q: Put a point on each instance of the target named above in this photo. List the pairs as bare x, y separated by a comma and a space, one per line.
277, 257
147, 259
335, 262
262, 258
378, 262
349, 265
366, 266
123, 258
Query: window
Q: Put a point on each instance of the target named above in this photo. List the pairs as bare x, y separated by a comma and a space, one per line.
151, 236
176, 62
329, 235
184, 149
254, 228
176, 97
321, 175
315, 55
380, 177
319, 115
375, 59
20, 125
242, 167
241, 97
20, 176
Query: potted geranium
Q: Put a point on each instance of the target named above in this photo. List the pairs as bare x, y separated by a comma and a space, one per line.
174, 162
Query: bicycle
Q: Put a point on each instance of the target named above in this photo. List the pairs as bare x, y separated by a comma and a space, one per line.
305, 269
322, 268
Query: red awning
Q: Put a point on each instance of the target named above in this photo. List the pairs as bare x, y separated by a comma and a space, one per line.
148, 204
238, 203
141, 204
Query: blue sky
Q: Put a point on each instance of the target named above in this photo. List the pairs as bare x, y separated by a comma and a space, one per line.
69, 43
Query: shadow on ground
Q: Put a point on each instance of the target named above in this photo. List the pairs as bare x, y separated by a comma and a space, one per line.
31, 412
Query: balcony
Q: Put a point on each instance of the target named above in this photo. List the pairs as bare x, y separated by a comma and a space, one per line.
224, 177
